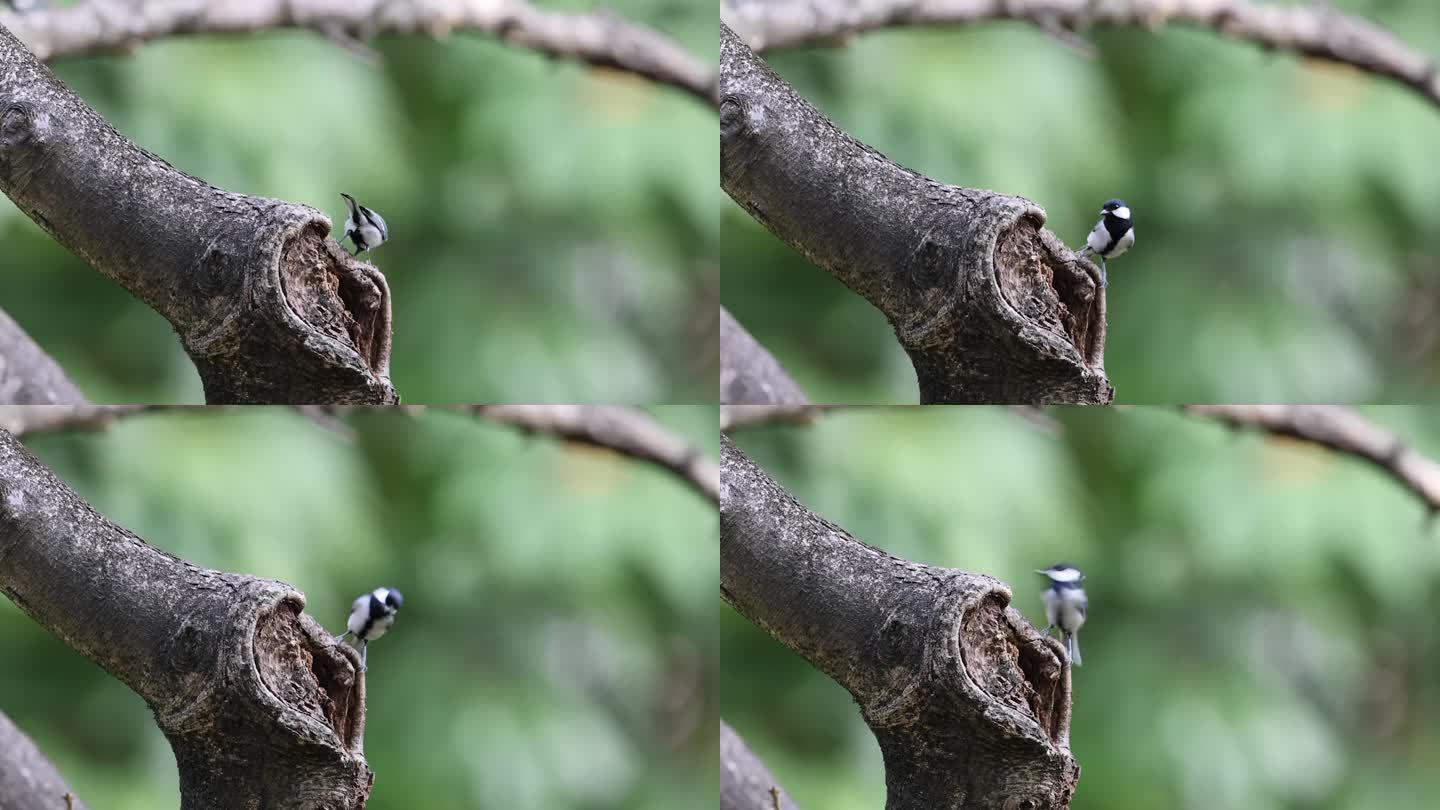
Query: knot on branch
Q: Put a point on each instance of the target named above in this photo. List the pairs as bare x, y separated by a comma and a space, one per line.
1024, 320
987, 715
23, 130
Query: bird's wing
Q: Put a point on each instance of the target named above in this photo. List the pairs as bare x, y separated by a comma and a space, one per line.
376, 220
1099, 238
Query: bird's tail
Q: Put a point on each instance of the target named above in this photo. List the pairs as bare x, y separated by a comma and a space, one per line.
1073, 642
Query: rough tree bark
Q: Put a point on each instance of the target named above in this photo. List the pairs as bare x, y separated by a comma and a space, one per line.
28, 376
27, 779
750, 375
969, 702
267, 307
260, 704
990, 306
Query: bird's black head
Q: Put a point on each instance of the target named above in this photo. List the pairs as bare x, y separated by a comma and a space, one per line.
393, 598
1062, 573
1117, 209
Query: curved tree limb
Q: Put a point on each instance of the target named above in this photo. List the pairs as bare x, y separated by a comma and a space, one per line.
28, 376
1343, 431
267, 307
27, 779
745, 782
750, 375
260, 704
601, 39
990, 306
627, 431
1315, 30
969, 702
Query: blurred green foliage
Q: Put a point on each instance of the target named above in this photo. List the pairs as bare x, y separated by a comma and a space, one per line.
558, 642
1287, 245
1261, 617
553, 226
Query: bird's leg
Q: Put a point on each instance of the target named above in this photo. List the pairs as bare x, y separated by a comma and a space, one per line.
364, 646
342, 636
1103, 282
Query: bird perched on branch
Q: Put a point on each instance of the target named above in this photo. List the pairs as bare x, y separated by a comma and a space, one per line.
1065, 605
1112, 235
370, 616
364, 227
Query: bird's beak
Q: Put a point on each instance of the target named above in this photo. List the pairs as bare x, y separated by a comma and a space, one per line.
1041, 571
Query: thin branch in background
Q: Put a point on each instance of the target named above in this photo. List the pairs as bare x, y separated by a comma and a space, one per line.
628, 431
1343, 431
601, 39
1316, 31
739, 417
27, 420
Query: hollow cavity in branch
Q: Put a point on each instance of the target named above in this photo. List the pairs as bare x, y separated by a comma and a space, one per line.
990, 306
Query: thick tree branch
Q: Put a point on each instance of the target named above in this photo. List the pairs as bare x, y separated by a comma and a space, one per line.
750, 375
260, 704
626, 431
28, 780
1315, 30
28, 376
268, 308
745, 782
969, 702
989, 305
601, 39
1342, 430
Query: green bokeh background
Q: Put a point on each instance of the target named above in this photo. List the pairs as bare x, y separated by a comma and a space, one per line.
557, 649
1287, 245
553, 226
1260, 634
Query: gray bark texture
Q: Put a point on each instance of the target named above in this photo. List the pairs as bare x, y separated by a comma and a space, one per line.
27, 779
750, 375
990, 306
28, 376
745, 782
267, 307
969, 702
262, 707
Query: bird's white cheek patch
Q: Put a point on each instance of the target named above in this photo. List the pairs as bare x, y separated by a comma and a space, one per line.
1123, 212
1065, 575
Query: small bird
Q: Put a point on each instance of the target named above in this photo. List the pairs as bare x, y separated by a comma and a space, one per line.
1112, 235
364, 227
370, 616
1065, 605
